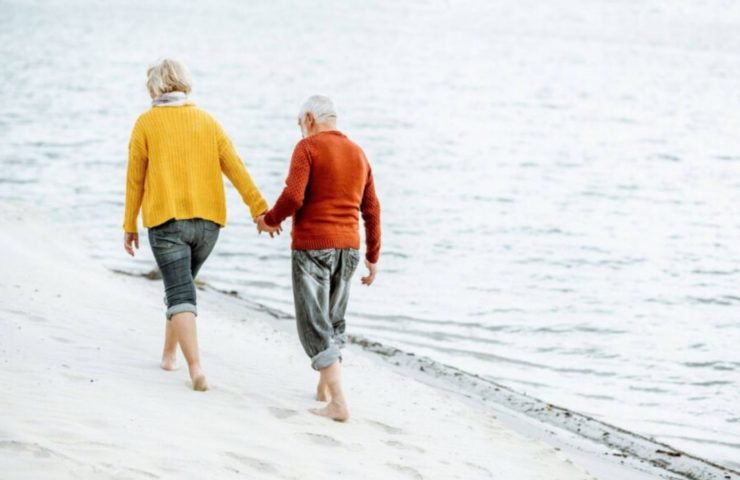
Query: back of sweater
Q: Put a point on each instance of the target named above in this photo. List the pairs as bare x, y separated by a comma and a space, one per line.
329, 185
176, 159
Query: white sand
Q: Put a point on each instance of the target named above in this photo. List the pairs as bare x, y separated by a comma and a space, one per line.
82, 396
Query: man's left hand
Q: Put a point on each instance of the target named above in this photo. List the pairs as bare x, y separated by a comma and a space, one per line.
372, 270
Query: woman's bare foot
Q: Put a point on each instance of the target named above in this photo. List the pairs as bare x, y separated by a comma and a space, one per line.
169, 363
322, 393
199, 383
199, 379
334, 410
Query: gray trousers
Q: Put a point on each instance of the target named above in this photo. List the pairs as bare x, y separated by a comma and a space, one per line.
321, 280
180, 248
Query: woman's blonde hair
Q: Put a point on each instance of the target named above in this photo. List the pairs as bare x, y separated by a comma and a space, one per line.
167, 76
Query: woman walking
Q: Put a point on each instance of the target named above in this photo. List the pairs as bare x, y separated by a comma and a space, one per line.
177, 154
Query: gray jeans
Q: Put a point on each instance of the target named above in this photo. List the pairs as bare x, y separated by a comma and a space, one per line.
180, 248
321, 280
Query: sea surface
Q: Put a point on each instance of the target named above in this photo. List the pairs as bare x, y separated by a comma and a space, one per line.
560, 181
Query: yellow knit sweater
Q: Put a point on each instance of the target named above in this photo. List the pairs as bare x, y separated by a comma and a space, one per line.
176, 156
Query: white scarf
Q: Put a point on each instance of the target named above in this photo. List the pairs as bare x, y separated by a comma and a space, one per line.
172, 99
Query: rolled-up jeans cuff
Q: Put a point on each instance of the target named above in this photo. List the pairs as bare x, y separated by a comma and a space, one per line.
327, 358
180, 308
340, 340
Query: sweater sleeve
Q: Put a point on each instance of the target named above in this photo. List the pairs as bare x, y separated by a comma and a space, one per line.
370, 209
291, 199
136, 174
236, 172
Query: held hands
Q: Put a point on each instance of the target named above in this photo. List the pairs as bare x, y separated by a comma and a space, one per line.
262, 226
130, 240
372, 269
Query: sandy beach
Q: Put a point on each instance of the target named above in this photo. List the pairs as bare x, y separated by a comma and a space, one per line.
83, 396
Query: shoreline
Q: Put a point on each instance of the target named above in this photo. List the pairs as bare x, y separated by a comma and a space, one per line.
80, 349
580, 435
641, 452
644, 455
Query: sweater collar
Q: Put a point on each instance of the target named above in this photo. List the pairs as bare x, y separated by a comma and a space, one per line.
332, 132
172, 99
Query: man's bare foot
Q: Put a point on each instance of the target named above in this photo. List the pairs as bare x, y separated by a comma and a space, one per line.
322, 393
169, 363
334, 410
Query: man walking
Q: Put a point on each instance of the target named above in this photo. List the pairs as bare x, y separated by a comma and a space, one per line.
330, 183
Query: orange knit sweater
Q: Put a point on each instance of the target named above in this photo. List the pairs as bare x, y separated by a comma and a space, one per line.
329, 184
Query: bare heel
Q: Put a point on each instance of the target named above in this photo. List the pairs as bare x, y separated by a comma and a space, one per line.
199, 383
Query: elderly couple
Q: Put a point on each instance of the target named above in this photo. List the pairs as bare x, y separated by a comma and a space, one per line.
177, 153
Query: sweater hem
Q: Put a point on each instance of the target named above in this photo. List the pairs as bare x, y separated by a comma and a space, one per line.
321, 243
217, 219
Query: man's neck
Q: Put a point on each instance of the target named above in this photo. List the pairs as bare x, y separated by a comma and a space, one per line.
324, 127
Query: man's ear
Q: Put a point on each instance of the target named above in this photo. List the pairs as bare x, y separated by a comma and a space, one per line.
310, 121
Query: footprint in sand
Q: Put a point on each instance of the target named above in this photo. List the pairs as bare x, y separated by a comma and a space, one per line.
254, 463
36, 319
94, 444
408, 471
480, 469
384, 427
32, 448
404, 446
18, 313
142, 473
324, 440
76, 377
137, 472
282, 413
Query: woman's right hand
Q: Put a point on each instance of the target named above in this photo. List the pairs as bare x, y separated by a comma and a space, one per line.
262, 226
130, 240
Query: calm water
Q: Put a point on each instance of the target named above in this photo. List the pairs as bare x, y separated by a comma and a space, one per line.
560, 185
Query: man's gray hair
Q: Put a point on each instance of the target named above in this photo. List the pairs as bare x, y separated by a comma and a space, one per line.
321, 107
